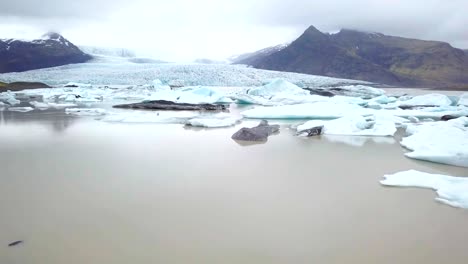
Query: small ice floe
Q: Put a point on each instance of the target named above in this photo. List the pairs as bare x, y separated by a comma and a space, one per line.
463, 99
441, 142
44, 106
451, 190
85, 111
162, 117
215, 121
427, 100
353, 125
358, 141
9, 98
21, 109
320, 110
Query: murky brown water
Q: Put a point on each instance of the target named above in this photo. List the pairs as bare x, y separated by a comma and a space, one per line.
81, 191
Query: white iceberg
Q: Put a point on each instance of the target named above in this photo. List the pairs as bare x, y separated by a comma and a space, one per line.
362, 91
451, 190
463, 99
353, 125
319, 110
9, 98
428, 100
44, 105
162, 117
85, 111
21, 109
358, 141
215, 121
440, 142
277, 87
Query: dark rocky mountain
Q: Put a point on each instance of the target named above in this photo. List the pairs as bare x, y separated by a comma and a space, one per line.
370, 57
50, 51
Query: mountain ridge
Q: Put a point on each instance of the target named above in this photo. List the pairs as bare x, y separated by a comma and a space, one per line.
371, 57
49, 51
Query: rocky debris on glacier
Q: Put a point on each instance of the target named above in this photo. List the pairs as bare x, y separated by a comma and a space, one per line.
441, 142
450, 190
171, 106
256, 134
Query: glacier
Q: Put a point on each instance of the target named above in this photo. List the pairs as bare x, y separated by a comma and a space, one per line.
441, 142
451, 190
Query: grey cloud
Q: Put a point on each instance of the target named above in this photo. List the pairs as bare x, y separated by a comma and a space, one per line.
34, 9
428, 19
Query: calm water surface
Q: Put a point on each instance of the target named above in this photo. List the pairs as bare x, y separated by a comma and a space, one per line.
83, 191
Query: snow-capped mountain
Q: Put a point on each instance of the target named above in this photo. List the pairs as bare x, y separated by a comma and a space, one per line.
247, 57
50, 50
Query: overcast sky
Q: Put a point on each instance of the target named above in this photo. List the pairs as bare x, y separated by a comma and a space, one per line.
182, 30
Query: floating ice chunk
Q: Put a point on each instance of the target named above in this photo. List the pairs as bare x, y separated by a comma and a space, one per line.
276, 87
163, 117
430, 112
463, 99
44, 106
451, 190
362, 91
221, 120
158, 85
353, 125
21, 109
320, 110
9, 98
428, 99
441, 142
358, 141
383, 99
248, 99
85, 111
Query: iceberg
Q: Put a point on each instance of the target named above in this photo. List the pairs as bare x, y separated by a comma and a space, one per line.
450, 190
21, 109
353, 125
319, 110
85, 111
277, 87
463, 99
215, 121
44, 106
162, 117
440, 142
9, 97
428, 100
358, 141
361, 91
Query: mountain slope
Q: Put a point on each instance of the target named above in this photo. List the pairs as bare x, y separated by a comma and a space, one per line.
50, 51
371, 57
251, 57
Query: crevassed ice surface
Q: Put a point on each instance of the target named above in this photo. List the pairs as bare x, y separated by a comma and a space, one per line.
103, 71
451, 190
